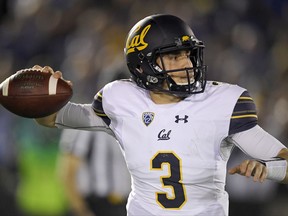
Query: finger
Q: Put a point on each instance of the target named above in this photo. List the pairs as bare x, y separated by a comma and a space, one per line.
37, 67
234, 170
251, 166
243, 167
264, 174
47, 69
257, 172
57, 74
69, 83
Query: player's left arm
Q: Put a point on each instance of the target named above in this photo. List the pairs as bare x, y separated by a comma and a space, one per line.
284, 155
270, 154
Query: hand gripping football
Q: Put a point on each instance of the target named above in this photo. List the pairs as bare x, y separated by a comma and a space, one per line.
33, 94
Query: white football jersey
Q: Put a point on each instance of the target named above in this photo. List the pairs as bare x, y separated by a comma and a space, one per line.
173, 150
175, 153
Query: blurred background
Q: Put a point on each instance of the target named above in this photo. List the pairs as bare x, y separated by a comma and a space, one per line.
246, 44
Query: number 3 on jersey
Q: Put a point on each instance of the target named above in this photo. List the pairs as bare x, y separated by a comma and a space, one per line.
173, 180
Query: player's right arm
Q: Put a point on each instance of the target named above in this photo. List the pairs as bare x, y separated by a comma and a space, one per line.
48, 121
75, 116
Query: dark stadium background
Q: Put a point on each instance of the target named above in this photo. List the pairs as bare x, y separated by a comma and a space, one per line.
246, 43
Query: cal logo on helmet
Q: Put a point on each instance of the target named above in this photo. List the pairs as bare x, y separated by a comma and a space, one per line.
186, 38
137, 40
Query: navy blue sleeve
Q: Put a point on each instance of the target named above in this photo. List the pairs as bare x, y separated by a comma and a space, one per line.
98, 108
244, 115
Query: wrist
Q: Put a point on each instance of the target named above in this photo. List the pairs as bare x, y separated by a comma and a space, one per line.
276, 169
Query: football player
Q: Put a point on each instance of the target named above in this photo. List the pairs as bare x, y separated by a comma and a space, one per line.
176, 129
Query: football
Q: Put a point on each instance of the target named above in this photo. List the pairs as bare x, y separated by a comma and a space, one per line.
34, 94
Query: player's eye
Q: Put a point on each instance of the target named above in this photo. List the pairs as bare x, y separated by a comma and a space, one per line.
177, 55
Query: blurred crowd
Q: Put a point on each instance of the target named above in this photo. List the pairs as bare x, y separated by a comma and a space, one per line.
246, 44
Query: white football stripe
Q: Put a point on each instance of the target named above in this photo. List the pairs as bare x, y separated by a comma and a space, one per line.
52, 85
5, 86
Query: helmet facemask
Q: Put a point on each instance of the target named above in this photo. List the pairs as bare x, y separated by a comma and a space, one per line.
160, 79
